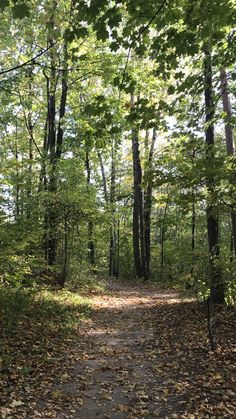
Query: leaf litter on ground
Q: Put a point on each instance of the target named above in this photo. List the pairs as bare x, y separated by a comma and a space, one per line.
139, 353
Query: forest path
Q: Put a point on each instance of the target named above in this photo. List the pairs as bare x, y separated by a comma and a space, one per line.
144, 354
123, 335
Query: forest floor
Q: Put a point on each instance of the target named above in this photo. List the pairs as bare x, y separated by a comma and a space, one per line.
140, 353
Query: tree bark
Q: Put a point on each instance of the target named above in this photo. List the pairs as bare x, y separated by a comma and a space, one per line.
27, 112
53, 142
113, 259
17, 173
104, 180
52, 184
216, 286
140, 262
229, 139
162, 234
193, 232
62, 110
148, 203
91, 246
64, 271
114, 230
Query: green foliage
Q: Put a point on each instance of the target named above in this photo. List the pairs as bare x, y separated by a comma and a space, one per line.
21, 10
105, 52
51, 308
3, 4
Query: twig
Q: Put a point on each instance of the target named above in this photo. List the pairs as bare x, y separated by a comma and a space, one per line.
9, 70
132, 43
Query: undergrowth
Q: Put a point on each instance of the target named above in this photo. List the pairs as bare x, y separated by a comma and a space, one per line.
58, 308
35, 324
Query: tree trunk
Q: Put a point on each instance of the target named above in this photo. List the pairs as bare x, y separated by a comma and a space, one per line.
63, 100
162, 235
118, 250
52, 184
193, 229
91, 246
229, 139
29, 126
54, 141
114, 230
217, 289
104, 180
148, 204
17, 173
138, 218
64, 271
113, 262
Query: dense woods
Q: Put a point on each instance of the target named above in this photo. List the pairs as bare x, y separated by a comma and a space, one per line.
117, 145
117, 164
117, 142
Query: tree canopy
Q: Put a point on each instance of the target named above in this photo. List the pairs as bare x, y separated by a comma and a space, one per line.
117, 141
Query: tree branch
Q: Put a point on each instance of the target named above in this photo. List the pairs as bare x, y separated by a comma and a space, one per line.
9, 70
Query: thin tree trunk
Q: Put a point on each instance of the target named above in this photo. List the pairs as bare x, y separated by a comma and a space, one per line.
140, 261
27, 112
62, 110
64, 271
29, 126
31, 136
91, 246
17, 173
217, 290
44, 155
163, 232
118, 250
54, 141
193, 229
137, 174
148, 204
228, 110
113, 233
52, 184
229, 139
104, 180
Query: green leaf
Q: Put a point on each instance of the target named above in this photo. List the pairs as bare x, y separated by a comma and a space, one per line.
114, 46
101, 29
21, 10
233, 75
115, 130
81, 31
69, 35
4, 4
171, 90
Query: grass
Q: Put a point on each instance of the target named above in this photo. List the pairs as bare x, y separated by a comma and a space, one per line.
37, 325
59, 308
85, 284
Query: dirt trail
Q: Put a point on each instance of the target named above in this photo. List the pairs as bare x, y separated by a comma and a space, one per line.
124, 382
144, 354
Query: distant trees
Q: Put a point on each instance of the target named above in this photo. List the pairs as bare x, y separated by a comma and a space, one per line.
109, 156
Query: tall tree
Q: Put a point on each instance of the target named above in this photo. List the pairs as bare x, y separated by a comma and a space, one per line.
229, 138
148, 201
91, 245
140, 262
54, 139
217, 289
113, 261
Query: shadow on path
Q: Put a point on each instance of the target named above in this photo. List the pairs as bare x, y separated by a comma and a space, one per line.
147, 356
